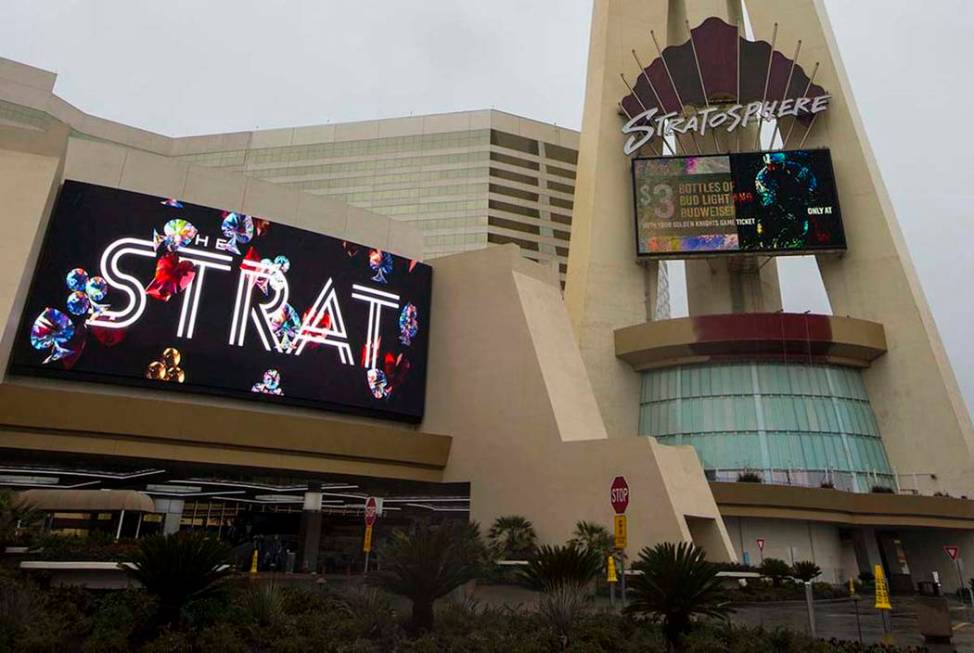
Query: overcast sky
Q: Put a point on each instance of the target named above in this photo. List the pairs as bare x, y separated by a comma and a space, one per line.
188, 67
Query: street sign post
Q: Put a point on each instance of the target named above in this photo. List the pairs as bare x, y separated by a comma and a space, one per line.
371, 512
953, 552
621, 532
619, 494
619, 498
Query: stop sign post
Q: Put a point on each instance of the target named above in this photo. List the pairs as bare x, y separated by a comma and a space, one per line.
619, 498
371, 512
619, 495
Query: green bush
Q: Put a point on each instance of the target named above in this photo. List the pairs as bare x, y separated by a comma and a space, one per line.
554, 566
775, 569
677, 585
430, 563
96, 547
176, 569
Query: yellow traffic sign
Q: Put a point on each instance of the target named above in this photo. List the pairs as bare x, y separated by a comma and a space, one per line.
621, 531
611, 576
367, 543
882, 591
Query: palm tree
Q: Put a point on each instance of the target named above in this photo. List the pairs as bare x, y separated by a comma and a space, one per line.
677, 583
512, 538
552, 567
593, 537
176, 569
429, 563
806, 570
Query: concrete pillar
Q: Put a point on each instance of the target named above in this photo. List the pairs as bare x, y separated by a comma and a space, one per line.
309, 532
173, 511
721, 285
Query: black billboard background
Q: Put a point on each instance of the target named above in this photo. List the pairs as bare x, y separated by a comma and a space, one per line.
87, 218
801, 179
804, 180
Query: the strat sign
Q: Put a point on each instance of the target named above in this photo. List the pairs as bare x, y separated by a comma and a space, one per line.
145, 290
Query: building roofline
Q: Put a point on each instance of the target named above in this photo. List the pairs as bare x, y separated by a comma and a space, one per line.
33, 87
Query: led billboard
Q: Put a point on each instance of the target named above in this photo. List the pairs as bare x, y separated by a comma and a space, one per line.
158, 293
756, 202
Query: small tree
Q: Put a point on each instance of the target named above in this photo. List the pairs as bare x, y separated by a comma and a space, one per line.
677, 584
805, 570
775, 569
176, 569
512, 538
429, 563
592, 537
552, 567
15, 514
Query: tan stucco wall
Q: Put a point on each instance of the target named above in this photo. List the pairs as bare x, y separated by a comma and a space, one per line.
53, 416
509, 385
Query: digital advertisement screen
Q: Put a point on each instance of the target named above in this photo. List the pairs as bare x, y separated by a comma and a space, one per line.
755, 202
158, 293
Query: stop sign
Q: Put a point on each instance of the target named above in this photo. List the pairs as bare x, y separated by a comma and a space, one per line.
619, 495
370, 511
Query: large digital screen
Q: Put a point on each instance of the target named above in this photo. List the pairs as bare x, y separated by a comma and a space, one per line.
756, 202
159, 293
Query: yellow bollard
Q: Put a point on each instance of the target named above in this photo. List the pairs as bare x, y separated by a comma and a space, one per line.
852, 587
253, 563
882, 591
883, 604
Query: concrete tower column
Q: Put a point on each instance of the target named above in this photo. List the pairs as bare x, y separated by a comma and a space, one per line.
309, 531
722, 285
925, 426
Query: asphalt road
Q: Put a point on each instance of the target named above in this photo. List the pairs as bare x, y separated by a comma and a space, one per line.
838, 619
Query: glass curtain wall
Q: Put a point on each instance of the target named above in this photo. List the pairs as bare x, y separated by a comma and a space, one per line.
808, 425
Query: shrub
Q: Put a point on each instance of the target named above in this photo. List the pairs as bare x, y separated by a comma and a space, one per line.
429, 564
15, 516
176, 569
677, 584
561, 608
828, 485
263, 605
882, 489
805, 570
556, 566
775, 569
96, 547
748, 477
512, 538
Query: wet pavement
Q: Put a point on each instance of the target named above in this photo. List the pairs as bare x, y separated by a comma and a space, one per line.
838, 619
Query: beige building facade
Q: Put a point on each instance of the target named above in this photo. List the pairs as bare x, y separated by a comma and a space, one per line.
536, 399
511, 425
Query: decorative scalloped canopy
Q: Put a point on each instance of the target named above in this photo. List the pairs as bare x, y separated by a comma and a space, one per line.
731, 70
